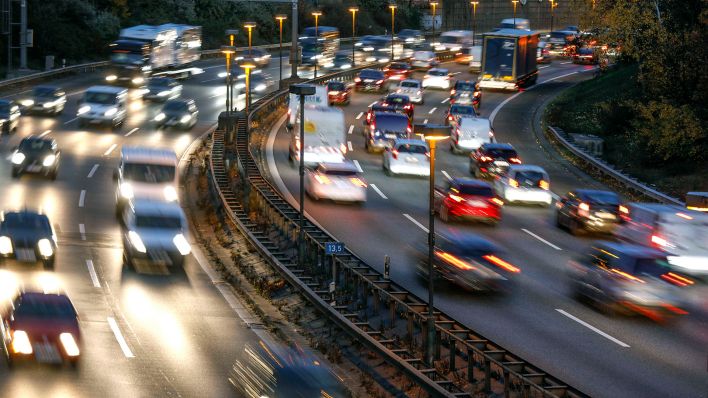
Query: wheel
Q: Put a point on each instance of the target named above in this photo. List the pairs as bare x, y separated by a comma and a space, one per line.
558, 220
53, 175
444, 214
575, 227
178, 262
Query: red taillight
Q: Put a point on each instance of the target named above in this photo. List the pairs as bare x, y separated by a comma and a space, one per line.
450, 117
659, 241
584, 209
501, 263
677, 279
394, 153
356, 79
373, 126
515, 160
407, 107
379, 81
456, 198
409, 130
385, 69
453, 91
485, 159
368, 117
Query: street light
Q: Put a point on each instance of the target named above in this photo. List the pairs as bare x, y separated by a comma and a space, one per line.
249, 26
393, 16
317, 15
553, 6
302, 90
432, 134
281, 18
353, 10
433, 4
228, 51
248, 66
231, 33
474, 19
515, 3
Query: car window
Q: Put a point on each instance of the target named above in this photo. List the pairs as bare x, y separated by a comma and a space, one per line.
371, 74
391, 122
397, 100
337, 86
463, 110
650, 266
340, 173
528, 178
40, 305
465, 86
399, 65
93, 97
409, 84
151, 173
437, 73
152, 221
412, 148
175, 106
43, 92
603, 198
35, 146
500, 153
26, 221
476, 190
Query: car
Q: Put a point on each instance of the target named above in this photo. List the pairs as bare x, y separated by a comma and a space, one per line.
492, 160
41, 326
397, 71
469, 199
411, 36
260, 84
27, 237
46, 100
154, 232
628, 278
466, 92
438, 78
338, 93
36, 154
378, 106
145, 172
463, 56
401, 103
103, 105
470, 133
180, 113
342, 61
342, 182
161, 89
586, 55
413, 89
407, 157
424, 60
370, 80
384, 128
543, 53
589, 210
458, 110
470, 262
525, 183
9, 116
257, 56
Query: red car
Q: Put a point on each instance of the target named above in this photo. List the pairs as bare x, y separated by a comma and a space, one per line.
397, 71
338, 93
586, 55
469, 199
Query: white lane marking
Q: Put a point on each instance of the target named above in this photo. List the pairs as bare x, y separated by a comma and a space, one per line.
93, 171
82, 198
119, 336
92, 273
216, 95
445, 100
44, 134
358, 166
359, 115
372, 104
593, 328
432, 110
351, 129
211, 80
414, 221
541, 239
110, 149
82, 231
70, 121
349, 145
425, 121
566, 62
542, 67
378, 191
446, 175
131, 131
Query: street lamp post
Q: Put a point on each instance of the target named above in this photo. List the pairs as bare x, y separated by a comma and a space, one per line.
317, 15
474, 20
553, 6
353, 10
393, 18
249, 26
434, 4
281, 18
515, 3
248, 66
228, 51
302, 90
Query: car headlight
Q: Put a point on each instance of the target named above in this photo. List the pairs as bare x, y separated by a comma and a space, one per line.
49, 160
28, 102
136, 241
126, 190
259, 59
260, 87
346, 66
110, 112
83, 109
5, 245
137, 80
222, 74
48, 104
182, 245
21, 342
45, 247
170, 193
160, 117
164, 93
185, 118
18, 158
69, 344
111, 78
313, 57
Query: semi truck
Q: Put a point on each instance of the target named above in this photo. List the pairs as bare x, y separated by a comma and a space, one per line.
325, 136
509, 59
143, 51
319, 99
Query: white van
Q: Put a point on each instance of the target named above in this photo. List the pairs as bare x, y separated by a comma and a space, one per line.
103, 105
680, 232
325, 136
320, 99
470, 133
146, 173
515, 23
475, 59
455, 40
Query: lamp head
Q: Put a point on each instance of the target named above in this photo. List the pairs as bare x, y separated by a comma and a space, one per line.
433, 132
302, 89
353, 9
249, 25
281, 17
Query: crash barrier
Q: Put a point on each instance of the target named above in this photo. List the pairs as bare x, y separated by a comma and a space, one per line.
596, 164
378, 313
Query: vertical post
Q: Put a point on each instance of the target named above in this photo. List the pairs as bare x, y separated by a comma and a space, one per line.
434, 4
23, 34
474, 20
248, 90
301, 233
431, 248
293, 46
387, 267
9, 37
280, 49
228, 83
353, 10
393, 18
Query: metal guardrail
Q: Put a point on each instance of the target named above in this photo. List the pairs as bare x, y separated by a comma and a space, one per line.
377, 312
603, 167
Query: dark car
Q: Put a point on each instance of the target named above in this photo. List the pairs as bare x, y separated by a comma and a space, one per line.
370, 80
161, 89
181, 113
41, 326
465, 198
466, 92
401, 103
585, 55
588, 210
9, 116
411, 37
260, 84
378, 107
27, 236
386, 127
397, 71
257, 56
492, 159
46, 100
338, 93
457, 110
342, 61
36, 155
469, 261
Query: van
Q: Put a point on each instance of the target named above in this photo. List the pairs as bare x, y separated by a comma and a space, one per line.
455, 40
146, 173
470, 134
475, 59
103, 105
680, 232
515, 23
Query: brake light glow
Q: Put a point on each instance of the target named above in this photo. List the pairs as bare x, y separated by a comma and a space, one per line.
515, 160
453, 91
513, 183
544, 185
409, 130
497, 201
501, 263
379, 81
659, 241
450, 117
358, 182
394, 153
323, 179
623, 210
356, 79
674, 309
676, 279
584, 207
454, 260
684, 216
456, 198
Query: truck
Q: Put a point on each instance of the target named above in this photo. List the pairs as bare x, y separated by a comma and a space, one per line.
143, 51
509, 59
320, 99
325, 136
320, 44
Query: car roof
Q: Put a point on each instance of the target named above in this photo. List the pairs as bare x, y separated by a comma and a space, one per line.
474, 122
107, 89
409, 141
438, 70
394, 96
148, 207
341, 166
498, 145
526, 167
370, 70
416, 81
629, 249
467, 241
458, 106
148, 155
390, 114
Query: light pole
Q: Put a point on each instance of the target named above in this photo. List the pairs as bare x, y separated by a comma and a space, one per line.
474, 20
248, 66
553, 6
317, 15
353, 10
393, 18
434, 4
249, 26
228, 51
281, 18
515, 3
432, 134
302, 90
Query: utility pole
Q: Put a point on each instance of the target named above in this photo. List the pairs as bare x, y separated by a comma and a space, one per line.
23, 34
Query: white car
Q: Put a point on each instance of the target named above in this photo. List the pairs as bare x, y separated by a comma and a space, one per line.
438, 78
524, 183
409, 157
423, 60
470, 133
336, 181
413, 89
146, 173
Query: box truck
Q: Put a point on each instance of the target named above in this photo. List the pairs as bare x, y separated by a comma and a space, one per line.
509, 59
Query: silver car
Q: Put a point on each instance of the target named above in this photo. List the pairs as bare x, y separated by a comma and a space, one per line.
407, 157
470, 133
413, 89
336, 181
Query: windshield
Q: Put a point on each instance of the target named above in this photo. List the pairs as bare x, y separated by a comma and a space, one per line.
371, 74
42, 305
462, 110
342, 58
43, 92
501, 153
528, 178
167, 222
437, 73
412, 148
159, 82
4, 109
340, 173
399, 66
151, 173
99, 98
34, 146
449, 39
603, 198
408, 32
28, 221
465, 86
176, 107
651, 266
397, 100
475, 190
391, 122
126, 58
586, 51
410, 84
336, 86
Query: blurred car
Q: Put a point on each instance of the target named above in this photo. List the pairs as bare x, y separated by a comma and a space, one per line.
336, 181
338, 93
589, 210
41, 326
147, 173
27, 237
458, 110
466, 92
424, 60
386, 127
180, 113
378, 106
154, 232
370, 80
342, 61
413, 89
46, 100
161, 89
470, 133
464, 55
627, 278
401, 103
586, 55
257, 56
475, 64
397, 71
9, 116
411, 36
438, 78
465, 198
543, 53
491, 160
525, 183
407, 157
469, 261
260, 84
36, 155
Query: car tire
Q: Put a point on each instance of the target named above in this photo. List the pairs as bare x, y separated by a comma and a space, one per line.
559, 224
53, 175
178, 262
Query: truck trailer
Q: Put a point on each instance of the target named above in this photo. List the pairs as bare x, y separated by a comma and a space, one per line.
325, 136
509, 59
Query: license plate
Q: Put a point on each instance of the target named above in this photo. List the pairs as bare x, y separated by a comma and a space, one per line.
46, 353
411, 159
501, 163
476, 203
25, 255
35, 168
368, 81
393, 136
605, 215
465, 95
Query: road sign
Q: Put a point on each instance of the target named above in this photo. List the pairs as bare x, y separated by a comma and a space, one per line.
334, 248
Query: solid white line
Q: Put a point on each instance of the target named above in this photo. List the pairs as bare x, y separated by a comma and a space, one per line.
119, 336
70, 121
358, 166
445, 100
44, 134
446, 175
132, 131
414, 221
92, 273
425, 121
359, 115
349, 145
110, 149
93, 171
566, 62
432, 110
372, 104
82, 197
82, 231
378, 191
351, 129
541, 239
542, 67
593, 328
